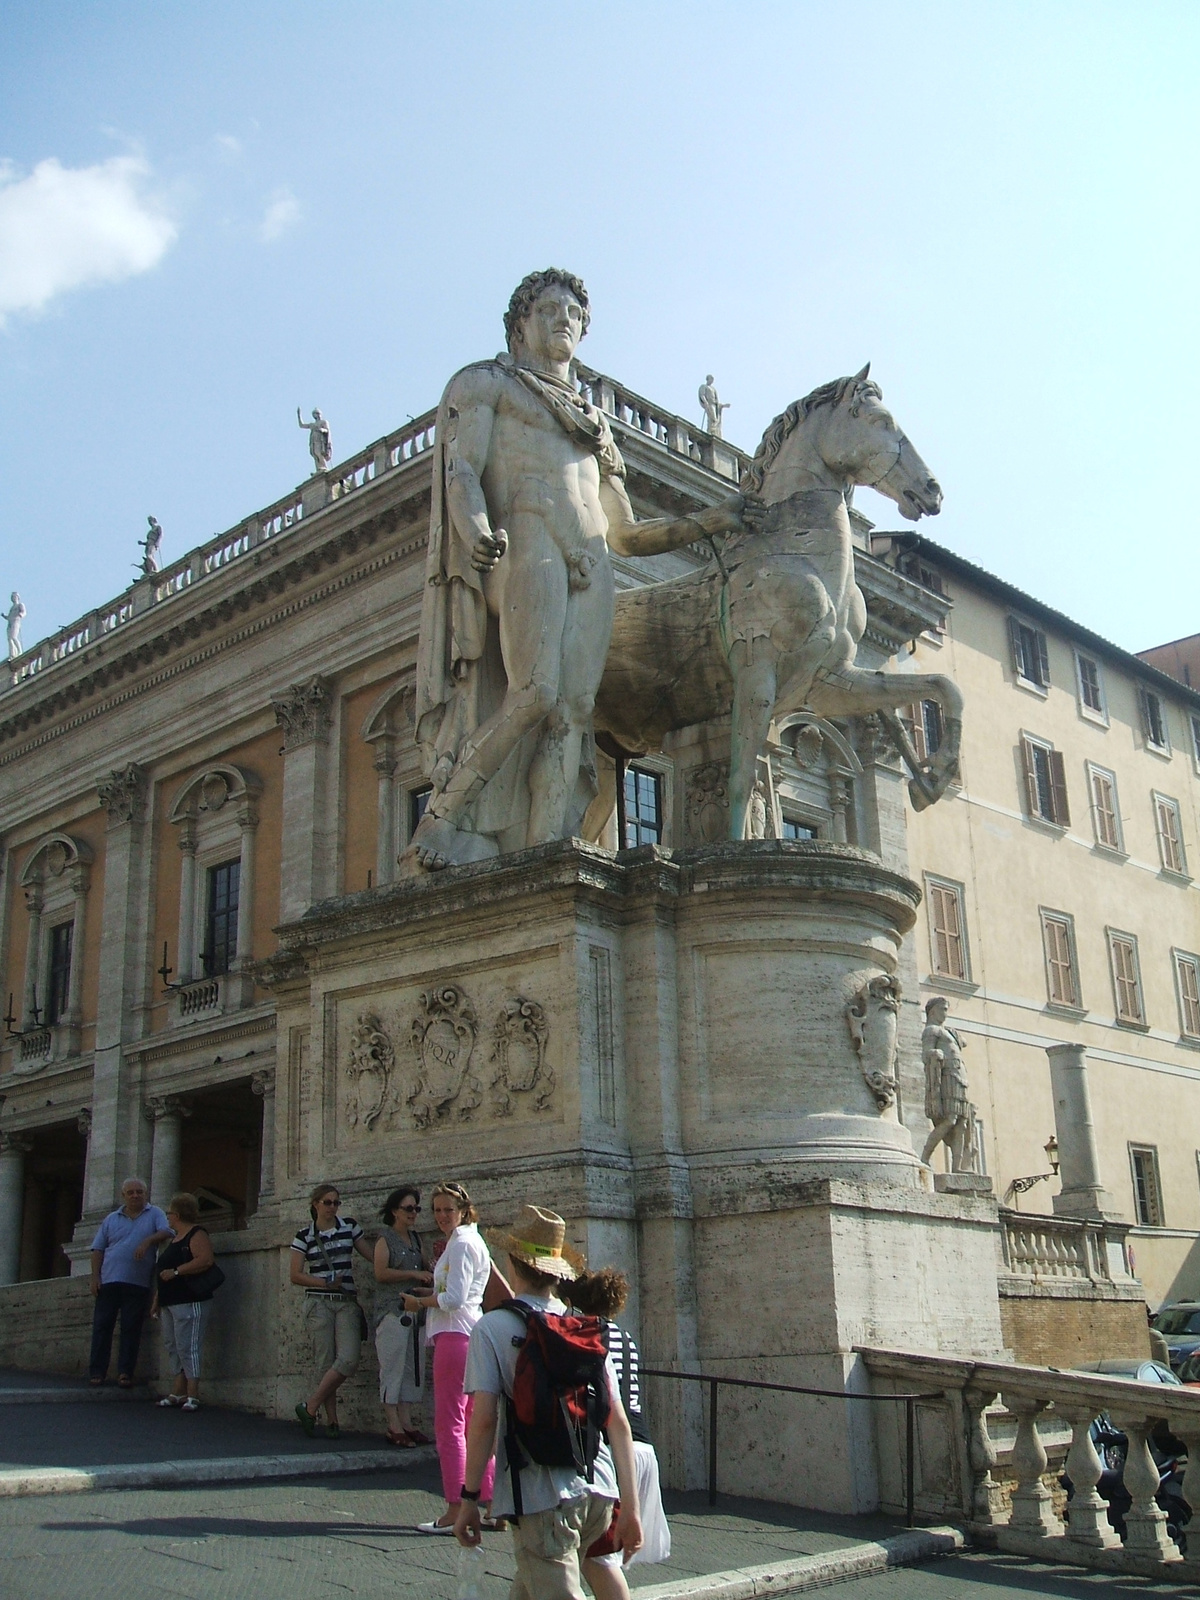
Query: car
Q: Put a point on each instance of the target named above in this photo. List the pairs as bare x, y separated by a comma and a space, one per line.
1144, 1371
1179, 1325
1189, 1370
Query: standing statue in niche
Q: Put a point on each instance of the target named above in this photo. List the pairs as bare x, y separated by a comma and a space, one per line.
152, 544
320, 444
946, 1103
14, 617
713, 407
528, 497
756, 819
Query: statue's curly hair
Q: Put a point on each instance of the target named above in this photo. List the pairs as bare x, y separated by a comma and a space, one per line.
527, 292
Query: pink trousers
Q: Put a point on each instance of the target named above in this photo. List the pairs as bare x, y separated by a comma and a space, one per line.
451, 1413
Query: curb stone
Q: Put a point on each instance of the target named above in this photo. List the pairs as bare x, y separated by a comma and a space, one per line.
41, 1397
811, 1572
187, 1474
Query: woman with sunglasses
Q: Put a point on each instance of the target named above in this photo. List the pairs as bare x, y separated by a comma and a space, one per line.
323, 1266
455, 1305
399, 1265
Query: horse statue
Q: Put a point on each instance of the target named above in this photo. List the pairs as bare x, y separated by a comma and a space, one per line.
772, 625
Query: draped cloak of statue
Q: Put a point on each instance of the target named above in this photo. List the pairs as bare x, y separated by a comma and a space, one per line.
460, 670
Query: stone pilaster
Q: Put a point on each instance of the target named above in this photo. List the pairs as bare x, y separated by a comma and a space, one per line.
305, 876
13, 1150
263, 1085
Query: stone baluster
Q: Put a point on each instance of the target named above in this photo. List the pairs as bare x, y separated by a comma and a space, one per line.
1087, 1513
986, 1495
1191, 1476
33, 954
1145, 1524
263, 1085
166, 1112
13, 1150
186, 943
1032, 1510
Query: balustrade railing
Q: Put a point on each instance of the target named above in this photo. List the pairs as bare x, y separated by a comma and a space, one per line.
35, 1044
202, 995
1001, 1491
1064, 1247
672, 432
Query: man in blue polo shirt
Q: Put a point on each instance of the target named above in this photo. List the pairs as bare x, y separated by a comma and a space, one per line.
123, 1255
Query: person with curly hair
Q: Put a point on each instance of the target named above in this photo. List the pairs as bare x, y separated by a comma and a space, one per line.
400, 1267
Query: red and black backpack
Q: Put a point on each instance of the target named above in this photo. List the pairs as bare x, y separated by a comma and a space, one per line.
560, 1400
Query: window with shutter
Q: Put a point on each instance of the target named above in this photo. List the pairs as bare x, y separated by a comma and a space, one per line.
1187, 980
1127, 983
1062, 980
1170, 834
1105, 816
1195, 725
948, 947
1154, 724
1091, 689
1030, 656
1045, 781
1147, 1189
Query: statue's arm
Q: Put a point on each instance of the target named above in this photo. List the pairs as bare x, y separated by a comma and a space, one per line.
629, 537
470, 411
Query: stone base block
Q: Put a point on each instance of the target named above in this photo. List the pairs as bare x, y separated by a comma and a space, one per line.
961, 1183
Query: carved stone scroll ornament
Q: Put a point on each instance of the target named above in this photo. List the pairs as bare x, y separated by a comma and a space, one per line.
521, 1032
303, 713
873, 1016
123, 794
443, 1042
368, 1072
708, 802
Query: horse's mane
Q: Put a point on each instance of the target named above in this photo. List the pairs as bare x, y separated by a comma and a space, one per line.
829, 394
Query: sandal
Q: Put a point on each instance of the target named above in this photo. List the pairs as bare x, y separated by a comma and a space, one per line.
402, 1440
170, 1400
124, 1382
418, 1437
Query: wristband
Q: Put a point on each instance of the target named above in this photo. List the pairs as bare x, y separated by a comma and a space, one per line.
469, 1494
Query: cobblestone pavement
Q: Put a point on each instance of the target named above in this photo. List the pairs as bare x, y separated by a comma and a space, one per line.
995, 1577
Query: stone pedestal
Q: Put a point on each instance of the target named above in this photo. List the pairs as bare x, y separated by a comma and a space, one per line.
657, 1046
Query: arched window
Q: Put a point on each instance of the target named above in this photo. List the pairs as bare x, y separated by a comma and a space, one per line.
216, 815
55, 879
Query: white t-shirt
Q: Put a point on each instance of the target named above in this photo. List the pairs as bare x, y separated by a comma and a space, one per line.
491, 1369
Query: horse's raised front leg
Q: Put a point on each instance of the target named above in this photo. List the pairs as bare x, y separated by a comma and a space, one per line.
754, 682
853, 692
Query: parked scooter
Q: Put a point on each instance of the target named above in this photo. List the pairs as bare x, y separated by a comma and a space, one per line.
1170, 1457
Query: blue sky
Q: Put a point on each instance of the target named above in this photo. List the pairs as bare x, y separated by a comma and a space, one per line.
210, 215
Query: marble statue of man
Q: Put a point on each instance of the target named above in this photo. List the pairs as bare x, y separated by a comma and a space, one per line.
14, 616
946, 1103
712, 406
528, 497
152, 560
320, 445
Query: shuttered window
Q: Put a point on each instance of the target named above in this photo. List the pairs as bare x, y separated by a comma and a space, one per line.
1106, 817
1187, 980
1045, 781
1147, 1190
1062, 979
1154, 722
1127, 980
1030, 657
948, 945
1091, 687
1170, 834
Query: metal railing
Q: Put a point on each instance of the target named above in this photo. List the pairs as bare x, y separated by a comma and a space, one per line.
909, 1401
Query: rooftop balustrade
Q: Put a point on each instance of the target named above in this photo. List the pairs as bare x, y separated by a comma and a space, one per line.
393, 453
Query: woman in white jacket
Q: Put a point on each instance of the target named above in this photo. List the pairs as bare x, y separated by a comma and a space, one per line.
454, 1306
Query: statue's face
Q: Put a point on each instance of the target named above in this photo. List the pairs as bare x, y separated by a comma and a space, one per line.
937, 1013
554, 326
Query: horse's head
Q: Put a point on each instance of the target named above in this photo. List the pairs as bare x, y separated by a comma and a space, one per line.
843, 434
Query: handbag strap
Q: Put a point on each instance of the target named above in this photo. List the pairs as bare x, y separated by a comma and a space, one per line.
348, 1294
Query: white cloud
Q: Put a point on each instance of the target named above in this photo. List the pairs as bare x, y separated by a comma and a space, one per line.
62, 227
228, 145
281, 213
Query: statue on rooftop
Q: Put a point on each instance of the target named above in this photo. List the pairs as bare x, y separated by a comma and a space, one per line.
528, 497
946, 1103
152, 560
320, 445
14, 616
712, 406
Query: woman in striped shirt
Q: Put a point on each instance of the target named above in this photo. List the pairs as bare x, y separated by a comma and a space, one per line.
323, 1266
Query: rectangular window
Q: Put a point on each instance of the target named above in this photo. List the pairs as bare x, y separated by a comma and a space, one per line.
947, 929
643, 807
59, 983
418, 799
1045, 781
1195, 726
1147, 1190
794, 828
1030, 658
1169, 825
1154, 720
1127, 978
1106, 815
1091, 686
1062, 972
1187, 983
220, 929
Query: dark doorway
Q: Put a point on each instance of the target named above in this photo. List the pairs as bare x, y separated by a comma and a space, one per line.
222, 1152
53, 1199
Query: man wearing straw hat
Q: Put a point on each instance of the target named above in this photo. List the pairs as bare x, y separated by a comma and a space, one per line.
562, 1514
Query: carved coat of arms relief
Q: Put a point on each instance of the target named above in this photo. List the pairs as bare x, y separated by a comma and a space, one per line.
443, 1038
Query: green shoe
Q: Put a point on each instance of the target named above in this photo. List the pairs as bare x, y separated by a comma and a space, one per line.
306, 1419
333, 1431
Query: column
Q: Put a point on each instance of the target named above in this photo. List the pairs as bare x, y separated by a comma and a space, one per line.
303, 714
13, 1150
185, 949
1083, 1194
248, 822
74, 1017
117, 1135
263, 1085
166, 1112
385, 838
33, 955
